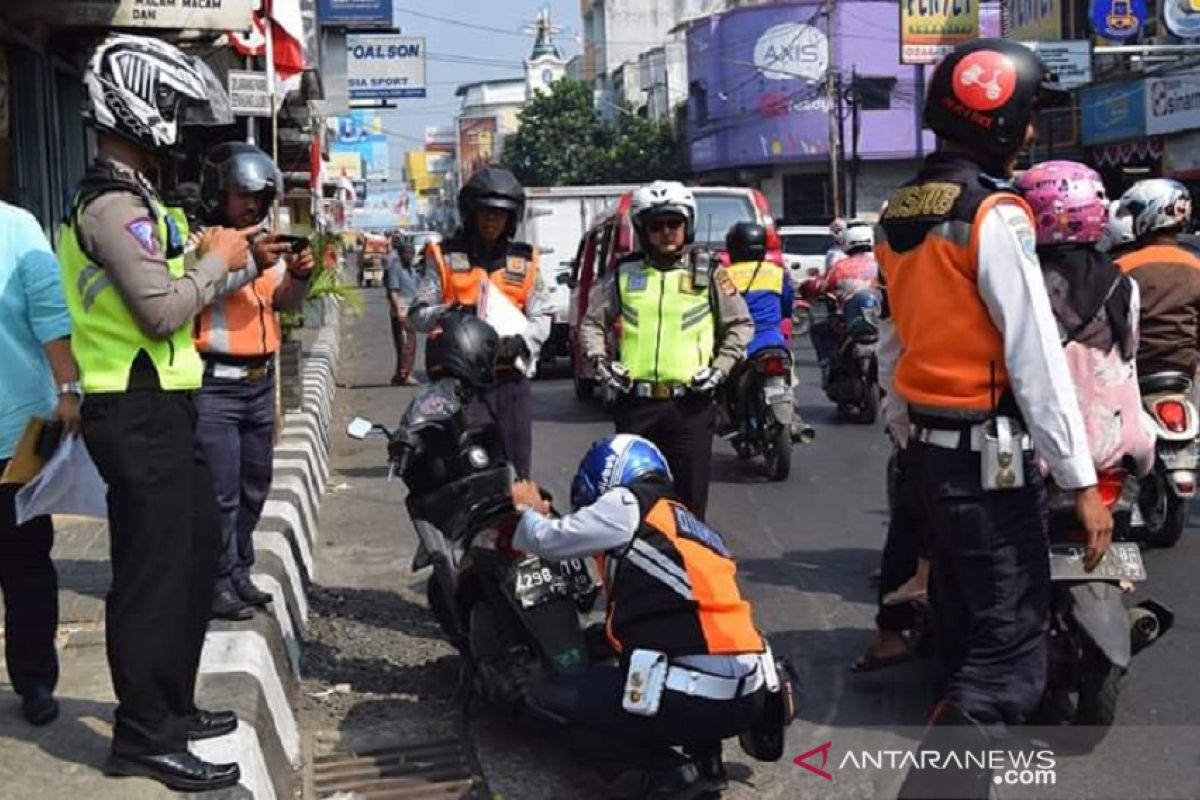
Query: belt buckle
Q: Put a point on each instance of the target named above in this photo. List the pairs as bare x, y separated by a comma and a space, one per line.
255, 374
660, 391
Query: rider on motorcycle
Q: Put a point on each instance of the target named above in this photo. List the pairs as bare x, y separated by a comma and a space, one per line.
693, 668
857, 272
767, 289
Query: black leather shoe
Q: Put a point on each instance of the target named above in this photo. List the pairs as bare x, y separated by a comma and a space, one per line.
39, 706
183, 772
227, 605
211, 724
251, 594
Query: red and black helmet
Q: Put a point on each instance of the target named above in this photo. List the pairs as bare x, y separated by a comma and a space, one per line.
984, 94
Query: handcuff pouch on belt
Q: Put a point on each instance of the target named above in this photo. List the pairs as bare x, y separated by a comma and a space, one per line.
764, 741
1002, 455
645, 682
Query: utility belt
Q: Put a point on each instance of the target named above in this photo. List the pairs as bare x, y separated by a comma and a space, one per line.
658, 390
650, 673
246, 370
1001, 442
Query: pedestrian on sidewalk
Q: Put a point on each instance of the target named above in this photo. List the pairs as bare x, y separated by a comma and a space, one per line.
36, 367
133, 296
238, 336
402, 279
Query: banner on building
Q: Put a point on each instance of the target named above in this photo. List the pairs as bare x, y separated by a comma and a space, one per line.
477, 144
1071, 60
929, 29
385, 66
355, 13
440, 139
249, 93
1181, 156
386, 209
361, 133
216, 15
1173, 103
1113, 113
1118, 20
1033, 20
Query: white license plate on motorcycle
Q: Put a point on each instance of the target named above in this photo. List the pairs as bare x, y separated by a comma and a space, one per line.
1123, 561
776, 390
536, 582
577, 575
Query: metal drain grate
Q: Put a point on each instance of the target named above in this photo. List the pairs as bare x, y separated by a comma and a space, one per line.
441, 769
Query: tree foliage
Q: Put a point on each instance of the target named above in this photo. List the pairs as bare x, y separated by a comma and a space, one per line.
563, 141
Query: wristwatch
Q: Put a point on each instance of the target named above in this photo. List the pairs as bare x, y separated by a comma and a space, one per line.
71, 387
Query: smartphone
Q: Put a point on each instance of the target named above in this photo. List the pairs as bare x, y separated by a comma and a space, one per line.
299, 243
48, 440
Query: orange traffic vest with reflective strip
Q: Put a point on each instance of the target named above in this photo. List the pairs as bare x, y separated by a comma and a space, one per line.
461, 277
674, 589
243, 323
928, 251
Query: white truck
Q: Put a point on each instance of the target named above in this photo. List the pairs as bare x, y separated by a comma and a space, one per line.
556, 219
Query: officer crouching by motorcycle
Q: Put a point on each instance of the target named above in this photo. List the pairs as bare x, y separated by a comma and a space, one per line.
767, 289
972, 355
492, 207
693, 669
684, 327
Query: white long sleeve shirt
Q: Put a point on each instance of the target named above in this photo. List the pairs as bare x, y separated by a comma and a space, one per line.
1011, 286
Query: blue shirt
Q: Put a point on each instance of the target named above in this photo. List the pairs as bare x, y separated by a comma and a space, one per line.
402, 279
32, 313
767, 288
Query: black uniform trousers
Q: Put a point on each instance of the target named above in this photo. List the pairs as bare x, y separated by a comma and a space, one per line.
586, 705
903, 545
30, 585
164, 539
990, 583
508, 406
683, 430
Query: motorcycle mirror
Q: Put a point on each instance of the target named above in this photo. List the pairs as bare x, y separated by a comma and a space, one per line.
360, 428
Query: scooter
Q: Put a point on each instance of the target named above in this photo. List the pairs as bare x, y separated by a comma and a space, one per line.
1165, 492
510, 614
851, 379
764, 410
1093, 636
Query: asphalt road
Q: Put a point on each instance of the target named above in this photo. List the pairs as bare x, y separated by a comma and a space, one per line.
805, 549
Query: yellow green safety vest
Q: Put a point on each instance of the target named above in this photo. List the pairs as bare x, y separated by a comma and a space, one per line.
105, 338
668, 328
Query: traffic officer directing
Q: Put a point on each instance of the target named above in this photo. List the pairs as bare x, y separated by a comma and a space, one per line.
693, 667
132, 297
683, 330
971, 348
492, 207
238, 336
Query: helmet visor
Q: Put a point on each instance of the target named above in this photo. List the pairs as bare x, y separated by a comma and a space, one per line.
215, 109
250, 172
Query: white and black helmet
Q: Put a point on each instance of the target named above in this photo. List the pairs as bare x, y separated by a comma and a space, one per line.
1118, 232
143, 88
858, 236
662, 198
1156, 205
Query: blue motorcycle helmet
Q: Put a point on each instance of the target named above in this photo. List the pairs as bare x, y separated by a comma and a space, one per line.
614, 461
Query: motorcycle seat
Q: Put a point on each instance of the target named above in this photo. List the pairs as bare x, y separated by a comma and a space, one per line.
1160, 382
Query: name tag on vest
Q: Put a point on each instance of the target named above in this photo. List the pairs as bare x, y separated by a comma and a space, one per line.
637, 282
460, 262
516, 269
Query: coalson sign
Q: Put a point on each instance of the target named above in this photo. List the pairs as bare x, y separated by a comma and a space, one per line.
385, 66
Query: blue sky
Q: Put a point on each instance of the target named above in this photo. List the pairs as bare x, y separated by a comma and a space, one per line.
492, 53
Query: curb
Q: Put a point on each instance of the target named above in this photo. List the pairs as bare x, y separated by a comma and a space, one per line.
254, 667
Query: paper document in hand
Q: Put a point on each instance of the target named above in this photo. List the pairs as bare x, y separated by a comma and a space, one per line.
67, 484
498, 311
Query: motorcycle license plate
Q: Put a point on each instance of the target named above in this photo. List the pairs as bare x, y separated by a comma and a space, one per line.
536, 582
577, 575
1122, 561
776, 390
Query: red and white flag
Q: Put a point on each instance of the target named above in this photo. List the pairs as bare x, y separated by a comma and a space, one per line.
286, 25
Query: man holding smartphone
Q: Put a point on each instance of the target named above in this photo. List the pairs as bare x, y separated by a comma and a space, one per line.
237, 336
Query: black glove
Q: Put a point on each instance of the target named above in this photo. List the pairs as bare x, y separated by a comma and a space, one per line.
512, 348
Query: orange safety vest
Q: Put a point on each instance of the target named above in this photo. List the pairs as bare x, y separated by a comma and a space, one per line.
674, 589
928, 250
243, 323
461, 278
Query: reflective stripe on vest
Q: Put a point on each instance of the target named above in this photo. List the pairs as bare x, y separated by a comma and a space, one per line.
461, 279
243, 324
675, 589
668, 331
105, 338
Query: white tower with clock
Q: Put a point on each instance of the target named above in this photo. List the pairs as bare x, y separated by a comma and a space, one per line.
545, 64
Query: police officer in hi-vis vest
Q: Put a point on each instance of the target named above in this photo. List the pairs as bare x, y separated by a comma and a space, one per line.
682, 333
132, 296
977, 380
492, 207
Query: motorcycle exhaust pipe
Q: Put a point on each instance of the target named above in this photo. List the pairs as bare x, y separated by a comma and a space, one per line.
1148, 621
807, 434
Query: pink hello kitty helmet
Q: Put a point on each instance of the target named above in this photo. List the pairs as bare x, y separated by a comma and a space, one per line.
1068, 201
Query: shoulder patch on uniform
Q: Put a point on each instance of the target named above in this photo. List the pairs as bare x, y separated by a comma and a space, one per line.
726, 283
145, 233
1019, 223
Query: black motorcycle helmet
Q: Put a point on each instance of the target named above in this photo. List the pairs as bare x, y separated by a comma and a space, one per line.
237, 166
492, 187
984, 94
746, 241
465, 349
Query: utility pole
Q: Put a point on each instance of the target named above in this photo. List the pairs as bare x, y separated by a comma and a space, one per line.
855, 99
832, 92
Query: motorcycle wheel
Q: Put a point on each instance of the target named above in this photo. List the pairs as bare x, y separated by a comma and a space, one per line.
443, 614
801, 322
1164, 512
779, 454
868, 410
1099, 690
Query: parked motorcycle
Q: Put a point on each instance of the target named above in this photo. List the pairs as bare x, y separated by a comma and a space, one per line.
1093, 636
763, 410
508, 613
851, 379
1165, 492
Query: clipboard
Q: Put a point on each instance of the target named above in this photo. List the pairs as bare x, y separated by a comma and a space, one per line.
37, 445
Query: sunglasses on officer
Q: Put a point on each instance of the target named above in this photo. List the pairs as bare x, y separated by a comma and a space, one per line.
664, 224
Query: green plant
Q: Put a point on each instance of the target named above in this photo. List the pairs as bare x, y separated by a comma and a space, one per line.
325, 282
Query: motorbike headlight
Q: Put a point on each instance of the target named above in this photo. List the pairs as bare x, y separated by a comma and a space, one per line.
478, 457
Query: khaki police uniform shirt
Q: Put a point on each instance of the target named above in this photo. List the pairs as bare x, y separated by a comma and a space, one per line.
735, 326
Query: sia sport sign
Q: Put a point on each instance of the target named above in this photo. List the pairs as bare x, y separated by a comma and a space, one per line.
385, 66
929, 29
